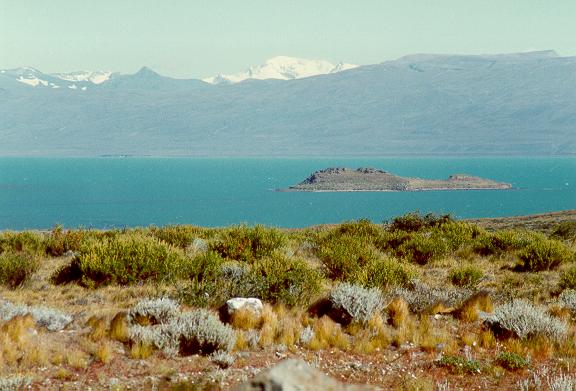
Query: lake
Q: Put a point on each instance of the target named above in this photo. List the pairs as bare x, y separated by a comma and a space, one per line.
120, 192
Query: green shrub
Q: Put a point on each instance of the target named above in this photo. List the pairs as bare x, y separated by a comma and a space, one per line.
414, 222
564, 231
458, 233
468, 275
127, 259
176, 235
512, 361
362, 228
287, 281
459, 364
26, 241
421, 248
505, 241
61, 241
544, 254
246, 244
345, 257
568, 278
384, 272
16, 268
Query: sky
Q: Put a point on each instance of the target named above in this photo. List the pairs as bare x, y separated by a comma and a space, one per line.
199, 38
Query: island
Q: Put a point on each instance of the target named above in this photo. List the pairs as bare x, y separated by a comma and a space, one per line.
371, 179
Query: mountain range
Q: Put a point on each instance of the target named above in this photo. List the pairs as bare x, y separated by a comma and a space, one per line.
520, 103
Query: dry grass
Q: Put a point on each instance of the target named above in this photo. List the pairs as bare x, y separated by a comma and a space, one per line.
99, 329
119, 327
77, 359
469, 310
398, 311
141, 351
246, 319
328, 334
104, 353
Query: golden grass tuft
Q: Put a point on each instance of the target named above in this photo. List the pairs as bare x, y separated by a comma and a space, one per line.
63, 374
77, 359
487, 339
398, 311
328, 333
104, 353
119, 327
246, 319
141, 351
269, 328
560, 312
18, 328
427, 336
98, 326
470, 339
241, 341
469, 310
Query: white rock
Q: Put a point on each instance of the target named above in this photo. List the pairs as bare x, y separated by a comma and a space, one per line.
239, 303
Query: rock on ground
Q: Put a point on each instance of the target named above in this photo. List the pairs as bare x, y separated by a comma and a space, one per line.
297, 375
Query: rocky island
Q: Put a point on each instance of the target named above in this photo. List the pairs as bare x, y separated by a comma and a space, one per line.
371, 179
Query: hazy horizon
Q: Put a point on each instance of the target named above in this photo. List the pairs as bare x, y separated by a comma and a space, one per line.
195, 40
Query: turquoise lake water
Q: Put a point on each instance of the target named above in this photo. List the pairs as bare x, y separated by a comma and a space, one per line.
119, 192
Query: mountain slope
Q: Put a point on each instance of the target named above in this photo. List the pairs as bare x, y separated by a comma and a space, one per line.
425, 104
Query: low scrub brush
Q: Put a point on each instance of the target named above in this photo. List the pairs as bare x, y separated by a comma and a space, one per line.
354, 303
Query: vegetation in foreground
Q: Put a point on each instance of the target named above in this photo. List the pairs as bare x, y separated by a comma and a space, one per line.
419, 302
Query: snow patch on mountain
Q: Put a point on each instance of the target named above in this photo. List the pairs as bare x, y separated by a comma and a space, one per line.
94, 77
282, 68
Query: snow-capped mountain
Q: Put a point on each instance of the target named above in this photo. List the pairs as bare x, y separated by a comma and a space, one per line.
94, 77
80, 80
283, 68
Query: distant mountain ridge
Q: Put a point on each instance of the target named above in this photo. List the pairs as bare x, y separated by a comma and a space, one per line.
282, 68
519, 103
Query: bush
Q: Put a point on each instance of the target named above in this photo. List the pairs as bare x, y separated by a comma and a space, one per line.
52, 319
153, 311
567, 299
355, 303
198, 331
544, 254
16, 268
414, 222
126, 259
246, 244
362, 228
176, 235
512, 361
564, 231
384, 272
568, 278
26, 241
287, 281
459, 364
465, 275
521, 319
421, 298
504, 241
345, 257
422, 249
61, 241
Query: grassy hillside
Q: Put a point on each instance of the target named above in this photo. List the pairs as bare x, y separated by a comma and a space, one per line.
420, 302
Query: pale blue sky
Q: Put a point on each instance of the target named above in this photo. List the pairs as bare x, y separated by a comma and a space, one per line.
197, 38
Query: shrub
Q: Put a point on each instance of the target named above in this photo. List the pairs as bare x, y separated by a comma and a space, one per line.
355, 303
460, 364
564, 231
383, 272
544, 254
153, 311
421, 248
504, 241
568, 299
362, 228
246, 244
61, 241
521, 319
421, 298
52, 319
414, 222
176, 235
458, 233
345, 257
127, 259
26, 241
568, 278
16, 268
14, 382
512, 361
287, 281
468, 275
